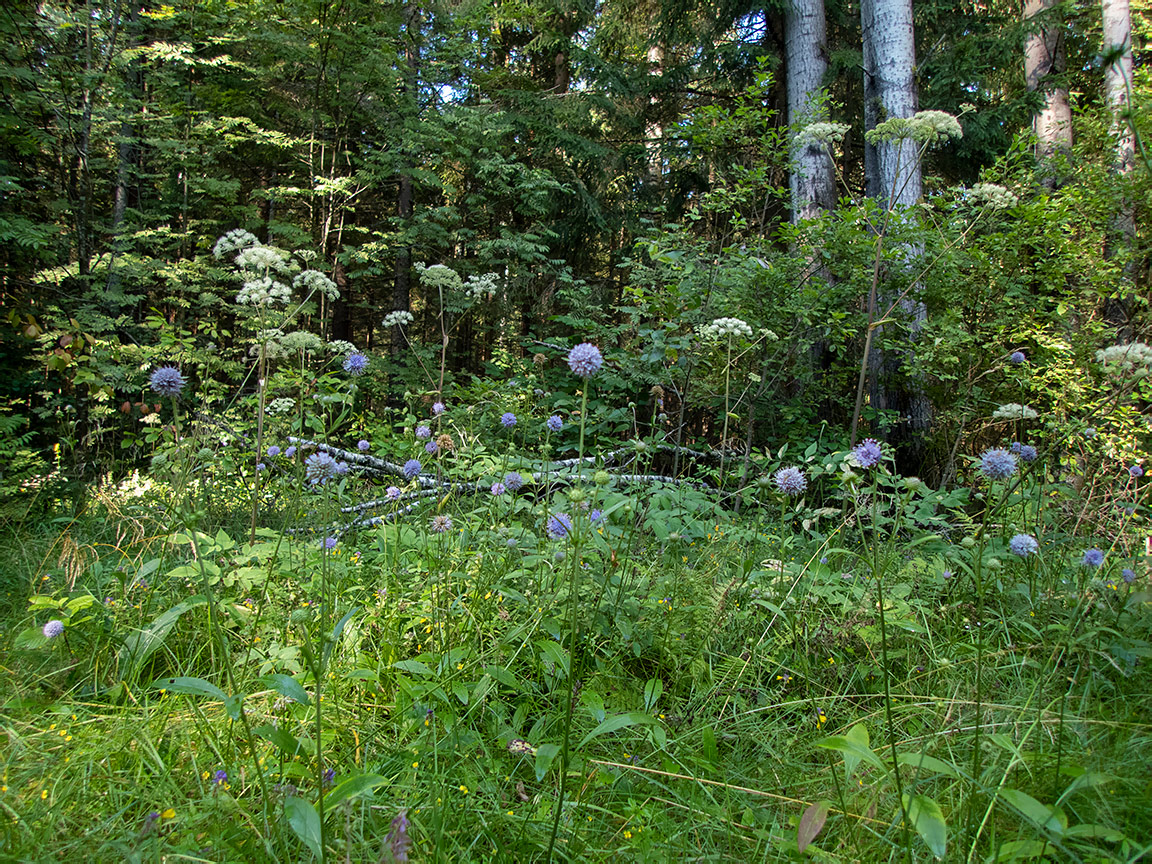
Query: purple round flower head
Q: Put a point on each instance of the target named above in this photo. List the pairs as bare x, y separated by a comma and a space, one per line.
554, 423
291, 451
273, 451
392, 493
1023, 545
1136, 471
596, 515
559, 526
319, 468
167, 381
330, 542
260, 466
53, 629
441, 523
508, 419
423, 433
1027, 453
363, 445
498, 488
513, 481
1017, 358
431, 448
412, 468
997, 464
220, 777
791, 481
868, 453
341, 468
1090, 432
1129, 575
585, 360
1092, 558
438, 408
947, 574
355, 363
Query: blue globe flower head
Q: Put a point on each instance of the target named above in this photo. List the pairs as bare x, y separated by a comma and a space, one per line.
330, 542
441, 523
392, 493
431, 448
596, 515
507, 419
554, 423
319, 468
1136, 471
1128, 575
438, 408
363, 445
498, 488
341, 468
791, 481
997, 464
423, 433
513, 481
412, 468
260, 466
559, 526
1017, 358
1027, 453
167, 381
585, 360
356, 364
291, 451
1023, 545
220, 777
1092, 558
868, 453
53, 629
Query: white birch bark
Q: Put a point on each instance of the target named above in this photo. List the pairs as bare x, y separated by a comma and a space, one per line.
1118, 76
812, 179
1044, 56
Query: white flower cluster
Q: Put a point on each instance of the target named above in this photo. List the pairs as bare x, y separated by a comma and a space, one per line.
479, 287
311, 281
1126, 361
280, 406
439, 278
234, 241
926, 127
301, 341
816, 134
263, 292
1014, 411
265, 259
269, 340
340, 347
398, 318
993, 196
726, 327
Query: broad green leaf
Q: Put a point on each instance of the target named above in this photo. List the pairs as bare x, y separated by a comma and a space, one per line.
811, 823
545, 755
413, 666
928, 820
652, 690
554, 654
288, 686
855, 750
282, 739
619, 721
191, 687
1039, 814
353, 786
930, 764
305, 821
503, 676
142, 644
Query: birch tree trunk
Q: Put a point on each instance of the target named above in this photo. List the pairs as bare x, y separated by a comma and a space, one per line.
1043, 57
812, 180
1117, 18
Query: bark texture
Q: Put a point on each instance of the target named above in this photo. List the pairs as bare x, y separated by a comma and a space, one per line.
1044, 57
812, 181
892, 171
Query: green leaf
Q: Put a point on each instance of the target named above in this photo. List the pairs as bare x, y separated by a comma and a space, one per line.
1039, 814
503, 676
287, 686
854, 747
923, 762
305, 822
928, 820
618, 721
708, 740
545, 755
352, 787
142, 644
191, 687
652, 691
281, 738
413, 666
554, 654
811, 823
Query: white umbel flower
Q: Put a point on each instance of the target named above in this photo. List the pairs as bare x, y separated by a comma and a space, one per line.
398, 318
311, 281
722, 327
234, 241
1133, 360
1014, 411
264, 291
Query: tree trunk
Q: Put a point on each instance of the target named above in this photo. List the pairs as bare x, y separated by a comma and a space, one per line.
1044, 57
892, 169
401, 285
1117, 19
812, 180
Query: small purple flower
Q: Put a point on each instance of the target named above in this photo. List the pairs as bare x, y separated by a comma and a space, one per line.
585, 360
997, 464
291, 451
220, 777
1092, 558
868, 453
330, 542
1090, 432
319, 468
1129, 575
398, 841
513, 481
412, 468
363, 445
947, 574
595, 516
823, 559
392, 493
438, 408
431, 448
559, 526
167, 381
1023, 545
1136, 471
260, 466
791, 481
355, 363
554, 423
507, 419
423, 433
441, 523
498, 489
273, 451
329, 776
53, 629
341, 468
1017, 358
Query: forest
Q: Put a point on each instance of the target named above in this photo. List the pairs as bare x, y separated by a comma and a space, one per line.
555, 430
